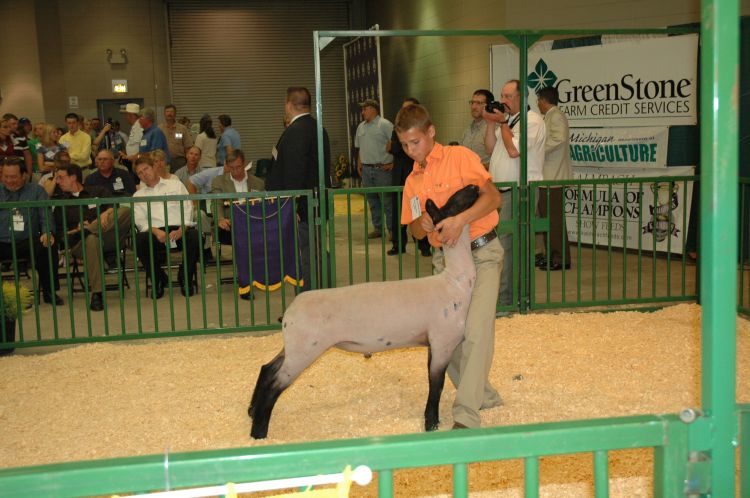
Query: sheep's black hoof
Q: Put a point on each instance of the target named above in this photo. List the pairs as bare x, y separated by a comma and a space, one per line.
258, 434
431, 426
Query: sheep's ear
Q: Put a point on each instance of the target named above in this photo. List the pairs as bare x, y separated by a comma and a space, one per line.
434, 212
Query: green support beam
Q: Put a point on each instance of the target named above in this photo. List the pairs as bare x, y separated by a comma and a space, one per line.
718, 217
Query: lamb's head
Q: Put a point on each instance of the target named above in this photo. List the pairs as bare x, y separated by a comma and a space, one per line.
460, 201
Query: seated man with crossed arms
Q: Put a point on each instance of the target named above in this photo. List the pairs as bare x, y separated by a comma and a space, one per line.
164, 227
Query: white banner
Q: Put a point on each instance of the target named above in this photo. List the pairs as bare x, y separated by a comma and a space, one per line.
638, 82
643, 216
640, 147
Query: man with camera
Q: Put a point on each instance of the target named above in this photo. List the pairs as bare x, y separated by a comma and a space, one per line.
474, 134
503, 139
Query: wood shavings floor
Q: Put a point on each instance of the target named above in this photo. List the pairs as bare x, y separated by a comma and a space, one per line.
113, 400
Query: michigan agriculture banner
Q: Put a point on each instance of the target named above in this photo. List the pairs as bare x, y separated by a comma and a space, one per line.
649, 216
636, 82
639, 147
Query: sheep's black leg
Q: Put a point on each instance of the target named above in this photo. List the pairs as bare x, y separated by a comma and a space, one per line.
267, 391
436, 374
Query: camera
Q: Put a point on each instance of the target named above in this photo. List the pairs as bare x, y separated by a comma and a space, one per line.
494, 105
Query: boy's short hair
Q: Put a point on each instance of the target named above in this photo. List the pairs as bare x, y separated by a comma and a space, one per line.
412, 116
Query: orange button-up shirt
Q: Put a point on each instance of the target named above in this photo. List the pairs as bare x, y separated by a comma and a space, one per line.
448, 170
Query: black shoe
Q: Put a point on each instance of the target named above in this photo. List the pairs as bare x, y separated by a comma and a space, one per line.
111, 260
248, 296
540, 261
49, 297
96, 302
189, 291
557, 267
157, 289
394, 250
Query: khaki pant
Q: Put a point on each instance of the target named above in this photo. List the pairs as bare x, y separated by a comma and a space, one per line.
94, 270
472, 359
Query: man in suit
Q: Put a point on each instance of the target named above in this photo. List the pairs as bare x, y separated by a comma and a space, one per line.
556, 167
236, 179
295, 167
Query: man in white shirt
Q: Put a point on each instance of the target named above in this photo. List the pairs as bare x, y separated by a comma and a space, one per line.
503, 140
164, 228
133, 144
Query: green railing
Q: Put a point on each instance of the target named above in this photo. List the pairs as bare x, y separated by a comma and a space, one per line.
132, 308
626, 247
604, 272
355, 259
667, 435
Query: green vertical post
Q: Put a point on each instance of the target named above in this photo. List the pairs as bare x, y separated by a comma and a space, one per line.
718, 222
460, 480
531, 476
322, 172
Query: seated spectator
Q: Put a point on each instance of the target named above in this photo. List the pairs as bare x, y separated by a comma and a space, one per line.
237, 179
192, 166
93, 231
18, 224
160, 165
49, 145
20, 144
25, 130
164, 228
6, 142
118, 181
47, 181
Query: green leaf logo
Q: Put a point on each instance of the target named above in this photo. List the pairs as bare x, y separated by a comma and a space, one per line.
541, 77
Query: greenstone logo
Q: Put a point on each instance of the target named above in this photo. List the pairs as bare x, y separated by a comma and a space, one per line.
541, 77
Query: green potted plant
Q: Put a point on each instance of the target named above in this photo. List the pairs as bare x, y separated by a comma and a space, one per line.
16, 299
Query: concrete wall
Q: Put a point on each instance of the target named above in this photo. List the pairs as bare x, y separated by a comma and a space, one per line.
62, 53
20, 76
443, 72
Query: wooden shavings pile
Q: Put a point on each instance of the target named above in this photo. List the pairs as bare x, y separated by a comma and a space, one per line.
124, 399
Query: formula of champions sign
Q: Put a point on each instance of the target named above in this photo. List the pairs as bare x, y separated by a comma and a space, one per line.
641, 147
638, 82
651, 217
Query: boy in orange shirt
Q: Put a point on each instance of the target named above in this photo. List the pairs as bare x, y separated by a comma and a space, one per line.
438, 173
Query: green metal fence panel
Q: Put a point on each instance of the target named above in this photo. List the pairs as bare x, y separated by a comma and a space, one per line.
611, 268
132, 304
383, 455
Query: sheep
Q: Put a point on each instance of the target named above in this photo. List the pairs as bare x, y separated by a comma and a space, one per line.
433, 314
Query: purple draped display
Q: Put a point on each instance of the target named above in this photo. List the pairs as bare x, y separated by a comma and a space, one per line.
266, 237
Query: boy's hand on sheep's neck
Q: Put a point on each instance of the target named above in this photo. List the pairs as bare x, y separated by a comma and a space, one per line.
450, 229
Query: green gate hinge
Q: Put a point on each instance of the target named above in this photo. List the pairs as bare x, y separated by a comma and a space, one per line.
698, 475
